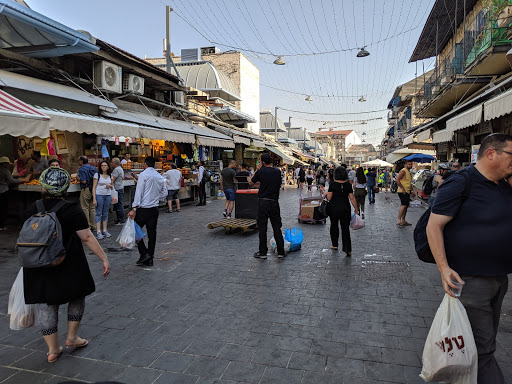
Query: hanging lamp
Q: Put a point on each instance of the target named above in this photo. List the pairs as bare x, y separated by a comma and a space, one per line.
279, 61
363, 53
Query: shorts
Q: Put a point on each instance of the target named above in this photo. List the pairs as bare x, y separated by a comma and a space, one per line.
172, 194
310, 181
385, 184
405, 198
230, 194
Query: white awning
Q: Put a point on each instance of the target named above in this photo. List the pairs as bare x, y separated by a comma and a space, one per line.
472, 116
20, 119
423, 136
176, 131
81, 123
212, 142
442, 136
258, 144
286, 158
241, 140
498, 106
409, 139
394, 156
26, 83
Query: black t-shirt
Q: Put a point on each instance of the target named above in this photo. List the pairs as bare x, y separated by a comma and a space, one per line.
241, 177
331, 174
71, 279
340, 192
270, 182
475, 239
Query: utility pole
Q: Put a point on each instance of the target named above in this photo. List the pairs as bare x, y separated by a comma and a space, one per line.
168, 11
275, 124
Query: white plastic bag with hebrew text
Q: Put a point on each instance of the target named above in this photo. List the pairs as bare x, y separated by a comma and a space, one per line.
450, 352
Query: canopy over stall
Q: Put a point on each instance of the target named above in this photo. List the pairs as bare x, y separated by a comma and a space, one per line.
378, 163
20, 119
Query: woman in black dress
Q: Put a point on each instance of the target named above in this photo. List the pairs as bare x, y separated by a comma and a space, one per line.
70, 281
340, 196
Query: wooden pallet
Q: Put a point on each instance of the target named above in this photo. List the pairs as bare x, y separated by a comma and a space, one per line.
230, 225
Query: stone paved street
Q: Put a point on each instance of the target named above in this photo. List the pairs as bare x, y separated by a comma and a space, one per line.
208, 312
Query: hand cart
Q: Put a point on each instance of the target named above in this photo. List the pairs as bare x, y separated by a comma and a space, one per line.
309, 220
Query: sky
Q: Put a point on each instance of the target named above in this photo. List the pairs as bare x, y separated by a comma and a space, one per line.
318, 39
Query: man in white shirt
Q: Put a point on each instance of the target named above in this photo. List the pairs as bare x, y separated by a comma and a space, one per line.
173, 183
126, 159
202, 184
352, 175
149, 192
297, 171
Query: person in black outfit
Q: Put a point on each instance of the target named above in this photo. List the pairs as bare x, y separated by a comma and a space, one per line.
302, 175
70, 281
340, 195
268, 205
242, 176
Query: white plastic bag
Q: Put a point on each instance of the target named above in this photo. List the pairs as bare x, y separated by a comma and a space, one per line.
450, 353
127, 236
356, 222
22, 315
273, 245
115, 196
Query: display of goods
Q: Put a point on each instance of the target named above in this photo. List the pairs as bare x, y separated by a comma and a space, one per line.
33, 182
158, 165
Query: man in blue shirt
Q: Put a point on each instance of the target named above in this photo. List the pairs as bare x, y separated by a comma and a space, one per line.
86, 174
469, 235
371, 176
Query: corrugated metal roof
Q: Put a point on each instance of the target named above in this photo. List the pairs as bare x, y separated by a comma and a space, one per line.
267, 122
204, 76
330, 133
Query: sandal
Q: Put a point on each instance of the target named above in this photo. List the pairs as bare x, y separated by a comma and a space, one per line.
75, 344
406, 224
57, 355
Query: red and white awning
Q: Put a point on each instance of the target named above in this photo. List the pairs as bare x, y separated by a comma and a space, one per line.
11, 106
20, 119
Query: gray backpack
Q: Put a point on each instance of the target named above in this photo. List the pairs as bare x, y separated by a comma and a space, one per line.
40, 242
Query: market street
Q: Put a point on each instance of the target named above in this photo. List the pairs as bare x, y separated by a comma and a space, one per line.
208, 312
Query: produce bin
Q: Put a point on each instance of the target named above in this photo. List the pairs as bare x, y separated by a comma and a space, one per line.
246, 204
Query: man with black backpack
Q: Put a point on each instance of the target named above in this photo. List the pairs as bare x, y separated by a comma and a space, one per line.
468, 234
86, 175
203, 177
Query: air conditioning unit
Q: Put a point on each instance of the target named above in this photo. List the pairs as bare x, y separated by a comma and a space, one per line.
107, 76
133, 84
191, 54
178, 98
209, 50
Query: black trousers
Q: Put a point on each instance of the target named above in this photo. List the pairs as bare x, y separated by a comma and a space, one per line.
202, 192
4, 205
341, 218
147, 217
269, 209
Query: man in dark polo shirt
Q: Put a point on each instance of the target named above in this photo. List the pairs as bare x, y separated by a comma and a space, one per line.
470, 240
268, 205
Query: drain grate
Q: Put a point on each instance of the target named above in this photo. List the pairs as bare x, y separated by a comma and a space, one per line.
387, 271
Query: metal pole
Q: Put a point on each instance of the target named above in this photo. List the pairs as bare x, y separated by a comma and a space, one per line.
168, 11
464, 37
275, 124
437, 43
304, 142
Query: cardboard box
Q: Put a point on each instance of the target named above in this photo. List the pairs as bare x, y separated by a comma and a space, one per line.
308, 207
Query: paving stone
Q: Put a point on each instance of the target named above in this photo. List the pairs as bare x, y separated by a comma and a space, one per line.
173, 362
36, 361
329, 348
138, 375
205, 347
388, 372
102, 371
175, 378
307, 362
296, 344
272, 357
69, 366
207, 367
275, 375
392, 356
349, 367
140, 357
235, 352
324, 378
364, 352
262, 341
6, 372
173, 343
247, 372
22, 377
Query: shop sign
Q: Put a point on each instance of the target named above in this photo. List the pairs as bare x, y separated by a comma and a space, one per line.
474, 152
483, 129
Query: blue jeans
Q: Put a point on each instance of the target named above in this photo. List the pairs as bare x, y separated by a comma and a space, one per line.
119, 206
371, 194
102, 208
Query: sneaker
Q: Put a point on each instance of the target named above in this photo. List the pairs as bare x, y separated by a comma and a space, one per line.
225, 213
259, 255
107, 234
228, 216
99, 236
362, 216
281, 256
167, 211
120, 223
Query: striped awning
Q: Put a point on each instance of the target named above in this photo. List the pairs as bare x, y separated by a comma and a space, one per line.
20, 119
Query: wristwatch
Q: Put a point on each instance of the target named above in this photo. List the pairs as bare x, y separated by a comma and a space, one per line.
134, 209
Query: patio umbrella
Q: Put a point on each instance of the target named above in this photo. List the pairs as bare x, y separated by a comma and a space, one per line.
420, 158
378, 163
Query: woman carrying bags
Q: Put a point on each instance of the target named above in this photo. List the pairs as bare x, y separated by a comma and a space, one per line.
360, 185
101, 198
340, 196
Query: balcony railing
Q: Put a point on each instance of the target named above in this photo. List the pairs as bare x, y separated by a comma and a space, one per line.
490, 27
